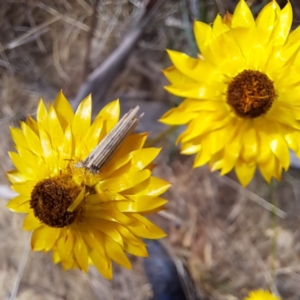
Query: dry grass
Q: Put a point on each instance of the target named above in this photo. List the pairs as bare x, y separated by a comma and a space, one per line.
222, 233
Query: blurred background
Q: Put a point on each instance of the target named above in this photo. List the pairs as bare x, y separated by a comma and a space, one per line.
222, 234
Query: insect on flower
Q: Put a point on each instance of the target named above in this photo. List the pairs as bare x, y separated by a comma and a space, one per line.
83, 215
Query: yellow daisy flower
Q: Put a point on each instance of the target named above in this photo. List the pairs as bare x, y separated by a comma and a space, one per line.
261, 295
84, 217
242, 106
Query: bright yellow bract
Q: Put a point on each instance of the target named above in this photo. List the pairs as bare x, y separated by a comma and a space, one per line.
242, 106
84, 218
261, 295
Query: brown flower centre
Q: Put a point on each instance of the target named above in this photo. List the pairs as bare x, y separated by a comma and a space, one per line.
251, 94
51, 198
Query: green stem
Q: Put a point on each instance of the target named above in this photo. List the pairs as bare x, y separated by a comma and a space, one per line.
161, 136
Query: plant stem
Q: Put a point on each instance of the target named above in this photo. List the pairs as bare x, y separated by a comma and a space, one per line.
161, 136
274, 224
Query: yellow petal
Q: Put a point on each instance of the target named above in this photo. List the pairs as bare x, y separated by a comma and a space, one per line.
51, 235
56, 131
106, 212
33, 162
242, 17
217, 161
42, 114
107, 228
32, 139
63, 110
24, 188
136, 250
65, 247
250, 146
18, 137
244, 172
31, 222
276, 142
77, 201
129, 237
122, 155
116, 253
32, 124
233, 147
68, 145
110, 112
219, 26
283, 25
81, 254
189, 148
140, 203
20, 204
102, 263
16, 176
55, 257
82, 119
174, 76
91, 240
265, 22
146, 229
293, 140
174, 116
49, 154
291, 96
22, 166
91, 139
203, 34
67, 241
195, 68
203, 156
152, 186
196, 91
123, 182
143, 157
270, 168
209, 123
284, 115
104, 196
38, 239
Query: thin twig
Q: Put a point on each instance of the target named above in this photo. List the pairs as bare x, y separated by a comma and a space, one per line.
184, 278
33, 25
252, 196
6, 192
90, 39
64, 18
24, 38
171, 217
221, 8
21, 270
161, 136
274, 237
100, 79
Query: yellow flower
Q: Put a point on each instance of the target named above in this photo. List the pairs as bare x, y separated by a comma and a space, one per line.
242, 106
85, 218
261, 295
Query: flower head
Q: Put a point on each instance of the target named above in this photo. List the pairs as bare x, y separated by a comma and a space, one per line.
242, 106
84, 217
261, 295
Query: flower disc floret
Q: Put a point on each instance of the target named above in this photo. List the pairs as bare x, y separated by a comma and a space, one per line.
251, 94
51, 198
